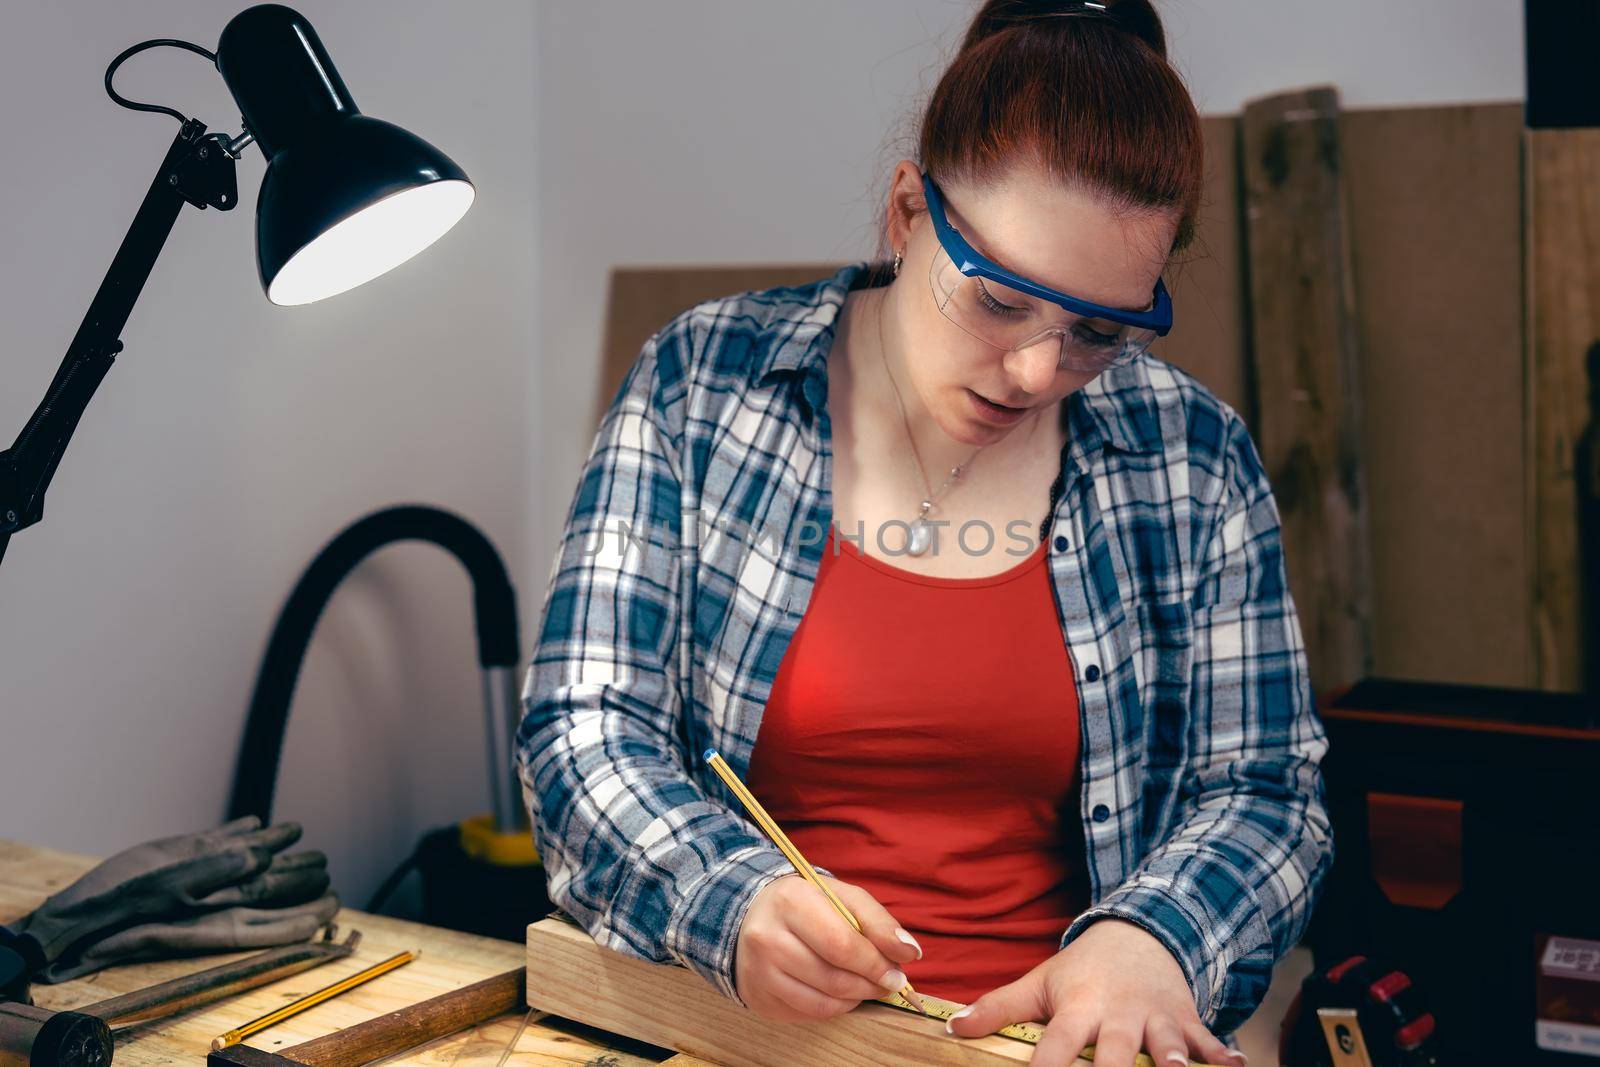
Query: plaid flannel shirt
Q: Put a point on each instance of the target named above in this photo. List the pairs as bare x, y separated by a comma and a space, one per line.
691, 546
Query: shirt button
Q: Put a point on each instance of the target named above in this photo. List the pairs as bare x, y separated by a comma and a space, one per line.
1061, 543
1092, 672
1101, 813
815, 390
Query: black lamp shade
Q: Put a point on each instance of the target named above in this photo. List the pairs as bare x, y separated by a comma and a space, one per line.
346, 197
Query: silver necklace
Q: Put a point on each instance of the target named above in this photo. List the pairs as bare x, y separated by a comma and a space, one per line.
921, 533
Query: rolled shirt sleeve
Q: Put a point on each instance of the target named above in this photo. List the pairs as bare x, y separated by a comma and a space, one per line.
633, 848
1230, 890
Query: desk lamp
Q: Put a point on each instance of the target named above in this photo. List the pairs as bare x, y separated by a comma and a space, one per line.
346, 198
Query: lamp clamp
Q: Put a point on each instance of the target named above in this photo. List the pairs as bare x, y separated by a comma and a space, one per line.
205, 175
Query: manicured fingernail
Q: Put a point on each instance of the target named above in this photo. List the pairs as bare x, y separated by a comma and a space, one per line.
963, 1013
893, 980
908, 939
1178, 1058
1239, 1057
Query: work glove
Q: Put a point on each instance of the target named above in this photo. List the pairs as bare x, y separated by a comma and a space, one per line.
228, 930
172, 880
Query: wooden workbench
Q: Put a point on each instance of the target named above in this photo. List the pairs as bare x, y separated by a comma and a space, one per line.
449, 961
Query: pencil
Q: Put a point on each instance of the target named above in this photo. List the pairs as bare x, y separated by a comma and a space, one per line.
311, 1000
792, 854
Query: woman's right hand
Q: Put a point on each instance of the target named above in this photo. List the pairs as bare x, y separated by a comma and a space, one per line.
797, 958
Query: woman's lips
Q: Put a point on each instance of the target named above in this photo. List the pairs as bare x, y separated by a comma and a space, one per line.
994, 412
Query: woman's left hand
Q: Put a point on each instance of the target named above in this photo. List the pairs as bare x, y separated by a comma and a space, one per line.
1114, 987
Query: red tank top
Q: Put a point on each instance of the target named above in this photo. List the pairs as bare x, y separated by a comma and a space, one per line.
921, 741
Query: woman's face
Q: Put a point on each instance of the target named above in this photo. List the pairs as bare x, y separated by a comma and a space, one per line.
1061, 236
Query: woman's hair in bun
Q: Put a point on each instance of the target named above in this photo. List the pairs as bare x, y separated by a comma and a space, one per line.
1082, 89
1139, 19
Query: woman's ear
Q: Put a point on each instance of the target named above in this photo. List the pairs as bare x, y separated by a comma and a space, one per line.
906, 202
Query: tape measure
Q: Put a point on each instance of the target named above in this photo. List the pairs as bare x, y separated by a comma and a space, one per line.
1361, 1011
943, 1009
1029, 1032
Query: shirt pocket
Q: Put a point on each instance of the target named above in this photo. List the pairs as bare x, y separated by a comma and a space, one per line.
1166, 660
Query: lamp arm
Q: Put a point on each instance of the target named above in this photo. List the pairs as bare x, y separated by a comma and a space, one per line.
198, 169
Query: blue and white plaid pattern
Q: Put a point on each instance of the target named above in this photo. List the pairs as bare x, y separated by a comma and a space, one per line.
690, 550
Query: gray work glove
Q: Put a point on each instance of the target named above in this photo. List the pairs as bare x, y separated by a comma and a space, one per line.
171, 880
228, 930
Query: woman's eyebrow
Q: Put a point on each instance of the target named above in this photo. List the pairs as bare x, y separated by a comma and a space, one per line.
985, 253
1146, 306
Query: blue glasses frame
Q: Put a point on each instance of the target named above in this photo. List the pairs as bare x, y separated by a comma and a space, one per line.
969, 261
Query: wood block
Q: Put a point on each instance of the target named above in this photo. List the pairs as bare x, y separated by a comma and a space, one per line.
572, 976
1304, 359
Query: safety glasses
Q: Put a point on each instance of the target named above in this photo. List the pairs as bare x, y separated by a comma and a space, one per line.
1010, 312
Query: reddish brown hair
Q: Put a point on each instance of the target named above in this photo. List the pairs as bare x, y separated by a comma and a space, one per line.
1088, 96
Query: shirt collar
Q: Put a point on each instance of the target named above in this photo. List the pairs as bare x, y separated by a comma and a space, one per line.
1117, 408
800, 323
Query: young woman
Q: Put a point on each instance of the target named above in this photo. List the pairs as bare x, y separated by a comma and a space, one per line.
984, 601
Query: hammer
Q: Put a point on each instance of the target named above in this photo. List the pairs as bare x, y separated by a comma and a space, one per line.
37, 1037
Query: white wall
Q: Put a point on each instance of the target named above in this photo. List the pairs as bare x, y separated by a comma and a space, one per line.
233, 438
724, 131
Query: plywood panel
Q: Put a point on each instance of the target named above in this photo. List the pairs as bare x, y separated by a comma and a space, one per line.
1435, 227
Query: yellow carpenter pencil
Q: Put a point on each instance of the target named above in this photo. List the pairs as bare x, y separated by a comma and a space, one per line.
311, 1000
792, 854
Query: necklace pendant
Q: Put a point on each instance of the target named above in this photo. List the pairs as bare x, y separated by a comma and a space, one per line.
921, 537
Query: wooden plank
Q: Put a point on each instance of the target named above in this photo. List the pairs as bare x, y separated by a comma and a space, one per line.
570, 975
1304, 362
1437, 262
413, 1025
449, 961
1562, 196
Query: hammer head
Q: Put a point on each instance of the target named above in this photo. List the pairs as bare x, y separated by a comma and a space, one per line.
245, 1056
35, 1037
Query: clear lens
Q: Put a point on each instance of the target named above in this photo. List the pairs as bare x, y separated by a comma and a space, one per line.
1008, 319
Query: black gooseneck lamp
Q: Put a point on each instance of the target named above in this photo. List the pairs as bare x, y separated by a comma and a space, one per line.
346, 198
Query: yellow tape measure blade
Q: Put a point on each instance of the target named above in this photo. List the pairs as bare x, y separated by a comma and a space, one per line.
1028, 1032
939, 1008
